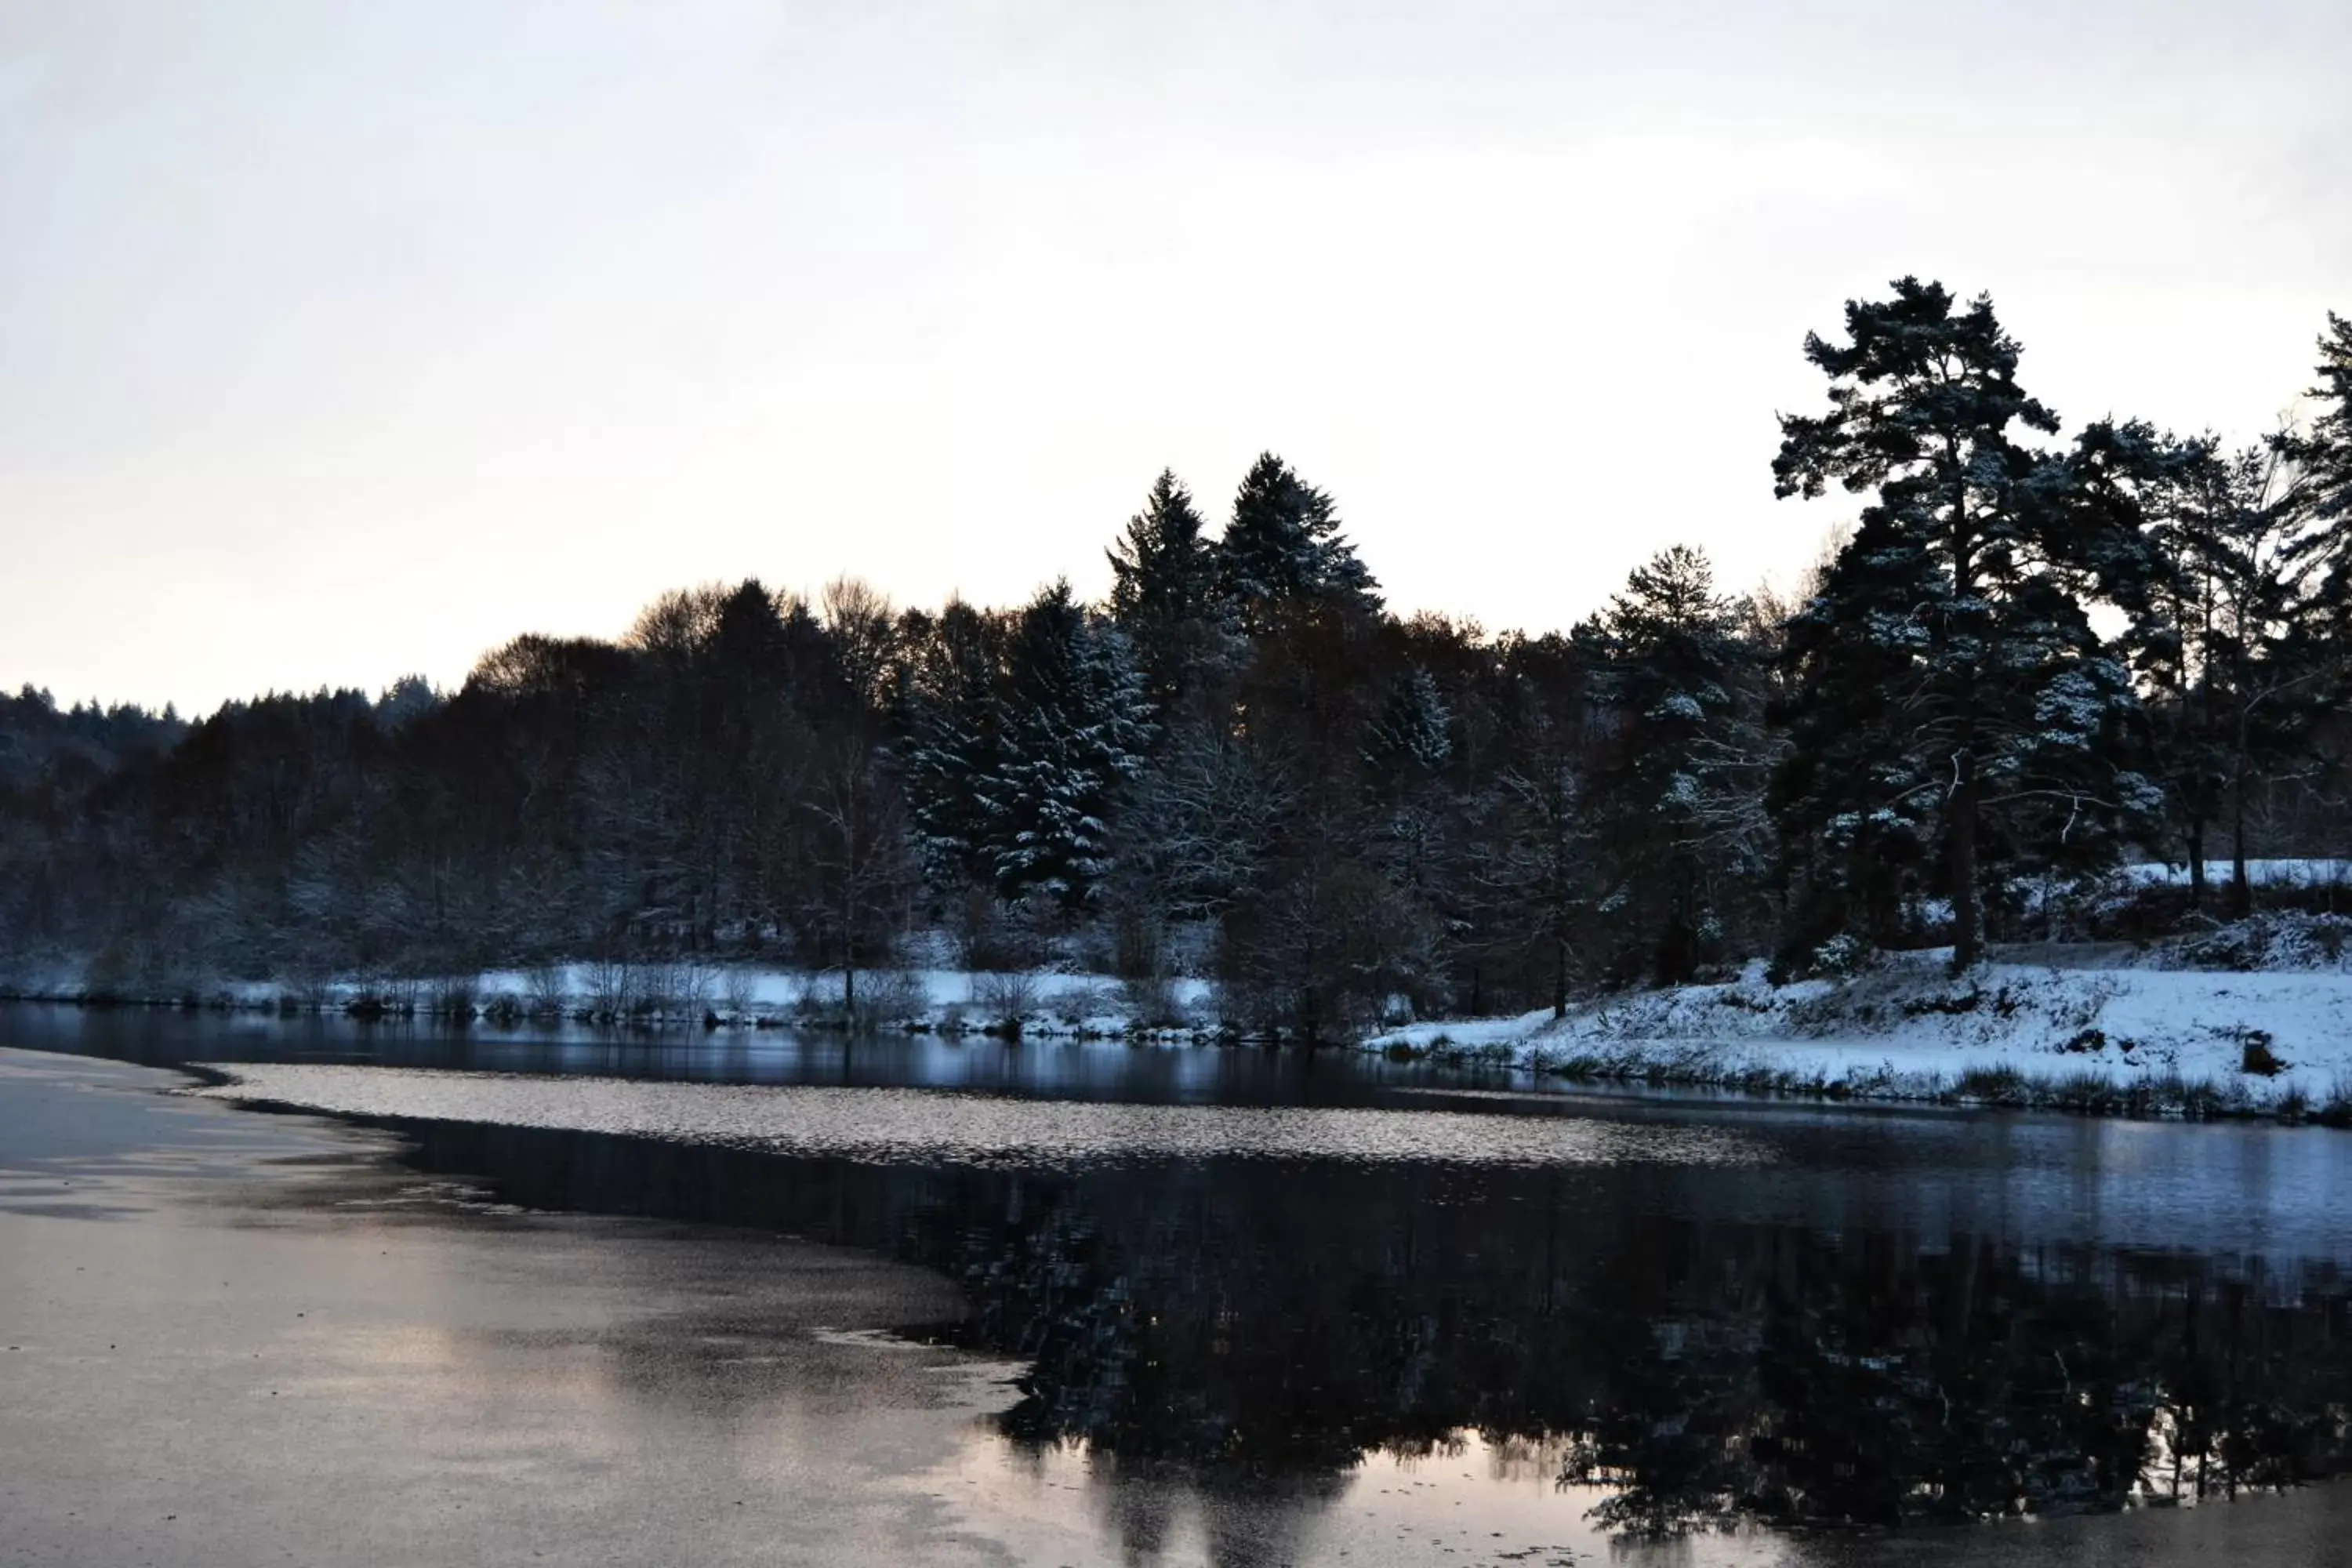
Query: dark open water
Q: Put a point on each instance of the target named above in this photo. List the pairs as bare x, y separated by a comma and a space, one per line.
1246, 1285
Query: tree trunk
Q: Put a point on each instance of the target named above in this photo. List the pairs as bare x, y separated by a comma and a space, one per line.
2196, 862
2242, 896
1967, 942
1559, 977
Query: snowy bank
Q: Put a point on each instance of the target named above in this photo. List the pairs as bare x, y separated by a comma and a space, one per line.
2301, 872
2132, 1037
2249, 1018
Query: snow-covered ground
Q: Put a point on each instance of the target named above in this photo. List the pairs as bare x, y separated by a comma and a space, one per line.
2291, 873
2136, 1034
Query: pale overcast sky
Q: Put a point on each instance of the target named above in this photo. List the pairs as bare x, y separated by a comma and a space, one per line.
343, 340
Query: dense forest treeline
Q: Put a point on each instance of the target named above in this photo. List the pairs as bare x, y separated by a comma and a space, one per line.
2031, 658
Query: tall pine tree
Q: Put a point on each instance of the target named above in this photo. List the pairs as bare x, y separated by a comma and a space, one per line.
2328, 450
1948, 668
2323, 456
1163, 593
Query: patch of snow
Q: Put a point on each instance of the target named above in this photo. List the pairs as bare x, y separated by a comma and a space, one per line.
2287, 873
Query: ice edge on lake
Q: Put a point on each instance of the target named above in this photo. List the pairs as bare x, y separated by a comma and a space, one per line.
909, 1125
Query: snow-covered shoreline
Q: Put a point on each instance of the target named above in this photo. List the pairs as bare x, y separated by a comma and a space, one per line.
2252, 1020
2112, 1037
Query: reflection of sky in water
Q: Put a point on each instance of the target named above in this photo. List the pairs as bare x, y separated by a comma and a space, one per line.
1482, 1503
2229, 1190
1466, 1503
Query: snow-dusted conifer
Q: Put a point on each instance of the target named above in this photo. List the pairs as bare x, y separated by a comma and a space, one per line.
2326, 450
953, 723
1412, 734
1672, 671
1283, 545
1163, 593
1075, 734
2322, 458
1948, 668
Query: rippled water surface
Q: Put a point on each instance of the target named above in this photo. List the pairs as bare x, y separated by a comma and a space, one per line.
1275, 1308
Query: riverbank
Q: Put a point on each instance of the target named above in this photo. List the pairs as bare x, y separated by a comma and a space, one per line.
2085, 1030
2241, 1020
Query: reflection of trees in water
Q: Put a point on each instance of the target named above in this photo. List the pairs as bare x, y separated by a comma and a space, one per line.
1250, 1325
1780, 1375
1705, 1372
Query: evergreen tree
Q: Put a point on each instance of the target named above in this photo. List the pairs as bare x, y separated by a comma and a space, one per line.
406, 700
748, 639
1673, 668
2323, 456
1846, 794
2327, 449
1949, 667
1075, 733
1163, 592
1284, 546
953, 720
1412, 736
